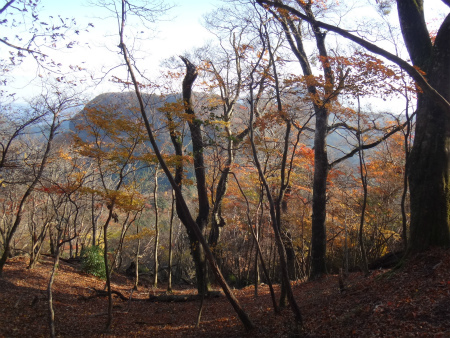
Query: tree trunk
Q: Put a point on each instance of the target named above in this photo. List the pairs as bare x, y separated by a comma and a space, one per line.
290, 256
363, 175
429, 179
183, 210
107, 269
51, 312
319, 201
155, 251
407, 140
198, 255
169, 283
321, 166
94, 220
275, 226
197, 252
138, 248
345, 242
52, 242
428, 163
257, 277
37, 243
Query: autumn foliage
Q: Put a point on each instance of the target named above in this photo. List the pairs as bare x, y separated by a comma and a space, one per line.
260, 171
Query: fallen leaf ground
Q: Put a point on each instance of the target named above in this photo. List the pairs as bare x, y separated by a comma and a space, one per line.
413, 301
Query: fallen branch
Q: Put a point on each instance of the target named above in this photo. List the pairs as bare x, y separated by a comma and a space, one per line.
103, 293
164, 298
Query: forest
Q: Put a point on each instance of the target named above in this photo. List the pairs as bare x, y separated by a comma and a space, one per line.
288, 179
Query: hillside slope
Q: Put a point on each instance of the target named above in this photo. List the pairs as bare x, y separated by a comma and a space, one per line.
411, 302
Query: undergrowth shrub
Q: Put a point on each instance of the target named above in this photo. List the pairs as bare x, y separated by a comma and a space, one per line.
92, 261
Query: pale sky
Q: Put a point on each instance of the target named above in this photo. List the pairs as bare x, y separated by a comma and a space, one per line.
181, 30
97, 51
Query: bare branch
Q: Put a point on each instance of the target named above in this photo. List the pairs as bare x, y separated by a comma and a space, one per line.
411, 70
31, 51
5, 7
370, 145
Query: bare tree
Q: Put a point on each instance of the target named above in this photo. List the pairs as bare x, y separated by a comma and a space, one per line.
53, 106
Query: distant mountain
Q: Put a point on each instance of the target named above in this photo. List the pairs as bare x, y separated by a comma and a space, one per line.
126, 103
339, 142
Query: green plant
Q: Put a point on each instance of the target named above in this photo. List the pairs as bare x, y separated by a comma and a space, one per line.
92, 261
232, 280
143, 269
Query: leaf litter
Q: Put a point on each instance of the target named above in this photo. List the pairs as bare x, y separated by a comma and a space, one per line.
411, 301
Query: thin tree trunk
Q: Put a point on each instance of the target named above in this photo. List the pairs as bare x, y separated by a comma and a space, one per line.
363, 175
257, 277
249, 260
51, 312
138, 247
406, 137
155, 251
94, 220
172, 209
275, 225
116, 262
199, 315
107, 269
272, 259
345, 243
37, 246
60, 243
258, 252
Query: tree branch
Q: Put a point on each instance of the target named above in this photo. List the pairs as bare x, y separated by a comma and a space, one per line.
413, 72
5, 7
370, 145
31, 51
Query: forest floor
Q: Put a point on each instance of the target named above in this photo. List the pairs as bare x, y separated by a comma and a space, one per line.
413, 301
